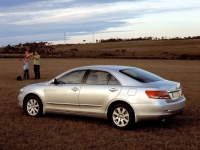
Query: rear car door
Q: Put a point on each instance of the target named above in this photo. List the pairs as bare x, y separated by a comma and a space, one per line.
98, 90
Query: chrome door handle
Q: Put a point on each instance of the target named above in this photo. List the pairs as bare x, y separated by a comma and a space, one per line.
75, 89
113, 89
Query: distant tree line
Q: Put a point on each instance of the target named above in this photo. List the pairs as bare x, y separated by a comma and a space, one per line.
46, 48
41, 47
147, 38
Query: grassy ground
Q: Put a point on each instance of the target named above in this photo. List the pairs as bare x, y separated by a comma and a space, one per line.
18, 131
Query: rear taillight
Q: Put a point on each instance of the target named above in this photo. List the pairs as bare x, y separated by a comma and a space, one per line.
158, 94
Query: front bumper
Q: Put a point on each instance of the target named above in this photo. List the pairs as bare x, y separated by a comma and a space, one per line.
20, 100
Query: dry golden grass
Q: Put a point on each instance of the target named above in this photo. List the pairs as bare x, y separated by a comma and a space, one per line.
165, 49
148, 49
18, 131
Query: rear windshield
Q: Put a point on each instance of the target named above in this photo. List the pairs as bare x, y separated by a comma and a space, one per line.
141, 75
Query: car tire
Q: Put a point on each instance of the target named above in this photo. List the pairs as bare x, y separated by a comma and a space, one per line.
122, 116
33, 106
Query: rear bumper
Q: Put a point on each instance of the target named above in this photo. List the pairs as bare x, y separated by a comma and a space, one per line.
159, 110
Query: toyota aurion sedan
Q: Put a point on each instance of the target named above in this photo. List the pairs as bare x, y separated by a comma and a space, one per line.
122, 94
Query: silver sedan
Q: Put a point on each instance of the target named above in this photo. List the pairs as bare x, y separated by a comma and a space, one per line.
123, 94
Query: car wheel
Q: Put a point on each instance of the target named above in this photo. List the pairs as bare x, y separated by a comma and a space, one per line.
33, 106
121, 116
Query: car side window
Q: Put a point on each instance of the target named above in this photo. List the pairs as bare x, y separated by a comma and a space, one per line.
113, 80
101, 78
74, 77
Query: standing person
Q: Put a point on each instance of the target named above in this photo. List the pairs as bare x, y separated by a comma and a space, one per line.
36, 64
26, 68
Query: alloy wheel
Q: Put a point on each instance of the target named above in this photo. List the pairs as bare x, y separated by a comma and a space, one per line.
33, 107
121, 117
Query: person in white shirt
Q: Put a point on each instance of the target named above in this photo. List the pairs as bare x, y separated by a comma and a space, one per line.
26, 68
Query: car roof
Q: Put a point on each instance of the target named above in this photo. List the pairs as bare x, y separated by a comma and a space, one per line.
106, 67
114, 69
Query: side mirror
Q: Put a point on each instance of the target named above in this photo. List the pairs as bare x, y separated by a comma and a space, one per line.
55, 81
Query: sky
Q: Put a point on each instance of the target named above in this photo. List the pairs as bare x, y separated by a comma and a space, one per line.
72, 21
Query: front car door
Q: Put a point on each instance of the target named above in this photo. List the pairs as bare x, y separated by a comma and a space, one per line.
63, 96
98, 90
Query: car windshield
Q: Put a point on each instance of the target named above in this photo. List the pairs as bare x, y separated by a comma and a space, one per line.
141, 75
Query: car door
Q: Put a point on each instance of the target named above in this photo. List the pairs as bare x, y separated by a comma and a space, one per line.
97, 91
63, 96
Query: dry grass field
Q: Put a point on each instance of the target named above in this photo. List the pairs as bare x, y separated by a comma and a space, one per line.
144, 49
147, 49
54, 132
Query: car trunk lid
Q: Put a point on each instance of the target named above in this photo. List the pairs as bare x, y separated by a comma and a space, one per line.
173, 88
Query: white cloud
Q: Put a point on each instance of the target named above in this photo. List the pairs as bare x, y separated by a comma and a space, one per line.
82, 17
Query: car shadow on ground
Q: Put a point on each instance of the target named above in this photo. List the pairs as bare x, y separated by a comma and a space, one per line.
162, 124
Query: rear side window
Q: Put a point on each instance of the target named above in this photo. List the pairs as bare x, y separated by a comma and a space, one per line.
101, 78
141, 75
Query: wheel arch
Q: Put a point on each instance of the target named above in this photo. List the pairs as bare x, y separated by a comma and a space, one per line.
119, 102
31, 94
